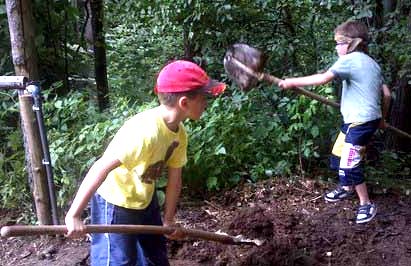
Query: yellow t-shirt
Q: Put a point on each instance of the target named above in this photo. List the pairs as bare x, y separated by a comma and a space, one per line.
145, 146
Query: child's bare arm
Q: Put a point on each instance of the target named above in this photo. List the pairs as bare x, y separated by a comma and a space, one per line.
316, 79
386, 100
172, 194
95, 176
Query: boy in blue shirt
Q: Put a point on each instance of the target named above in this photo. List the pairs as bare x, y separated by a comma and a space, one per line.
360, 108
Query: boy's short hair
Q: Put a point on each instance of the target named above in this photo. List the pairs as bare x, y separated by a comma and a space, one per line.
184, 78
354, 29
171, 98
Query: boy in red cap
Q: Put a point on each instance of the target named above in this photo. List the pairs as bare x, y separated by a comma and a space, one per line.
121, 184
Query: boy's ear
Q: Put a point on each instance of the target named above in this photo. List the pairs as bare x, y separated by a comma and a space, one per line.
183, 102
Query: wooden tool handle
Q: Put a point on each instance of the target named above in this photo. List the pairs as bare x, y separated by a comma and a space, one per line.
399, 131
271, 79
316, 97
28, 230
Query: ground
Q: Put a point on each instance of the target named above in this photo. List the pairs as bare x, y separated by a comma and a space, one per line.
295, 224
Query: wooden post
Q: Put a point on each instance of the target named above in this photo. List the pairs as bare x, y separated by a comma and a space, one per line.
34, 156
21, 28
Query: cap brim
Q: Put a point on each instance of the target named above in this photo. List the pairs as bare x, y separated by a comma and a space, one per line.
214, 87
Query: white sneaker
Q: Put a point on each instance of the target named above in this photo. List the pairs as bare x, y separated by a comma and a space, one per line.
366, 213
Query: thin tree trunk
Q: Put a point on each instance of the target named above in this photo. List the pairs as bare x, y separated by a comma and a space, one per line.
400, 116
100, 61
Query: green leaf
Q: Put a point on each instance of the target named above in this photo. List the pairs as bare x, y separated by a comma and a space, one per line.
307, 152
212, 182
315, 131
2, 9
162, 182
221, 150
161, 196
58, 104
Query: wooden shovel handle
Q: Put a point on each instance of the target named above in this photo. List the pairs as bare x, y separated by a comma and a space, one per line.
28, 230
316, 97
398, 131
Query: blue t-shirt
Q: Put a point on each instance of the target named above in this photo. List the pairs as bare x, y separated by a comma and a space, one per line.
361, 92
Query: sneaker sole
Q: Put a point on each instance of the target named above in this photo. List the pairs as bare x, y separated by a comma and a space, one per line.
335, 200
368, 219
331, 200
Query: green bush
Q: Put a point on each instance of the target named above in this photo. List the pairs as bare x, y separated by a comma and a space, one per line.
245, 136
392, 170
13, 177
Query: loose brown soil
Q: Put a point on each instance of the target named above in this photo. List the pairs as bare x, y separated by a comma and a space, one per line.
296, 225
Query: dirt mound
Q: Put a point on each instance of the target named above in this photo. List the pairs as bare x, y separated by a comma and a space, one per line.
299, 228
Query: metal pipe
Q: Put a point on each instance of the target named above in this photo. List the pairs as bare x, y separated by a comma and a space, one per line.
37, 108
13, 82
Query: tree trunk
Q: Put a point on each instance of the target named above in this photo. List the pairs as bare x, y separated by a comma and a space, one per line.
401, 108
389, 5
99, 47
21, 28
400, 116
22, 38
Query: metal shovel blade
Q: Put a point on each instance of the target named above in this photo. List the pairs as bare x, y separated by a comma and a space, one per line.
253, 58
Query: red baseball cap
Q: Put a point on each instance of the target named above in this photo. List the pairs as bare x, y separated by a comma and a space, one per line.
183, 76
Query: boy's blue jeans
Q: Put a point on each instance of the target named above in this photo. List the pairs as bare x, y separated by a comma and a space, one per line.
125, 249
349, 151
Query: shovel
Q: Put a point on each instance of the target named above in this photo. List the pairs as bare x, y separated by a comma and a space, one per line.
28, 230
244, 65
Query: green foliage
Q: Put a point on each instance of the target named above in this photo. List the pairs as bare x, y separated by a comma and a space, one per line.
395, 51
392, 170
60, 49
243, 136
13, 177
139, 42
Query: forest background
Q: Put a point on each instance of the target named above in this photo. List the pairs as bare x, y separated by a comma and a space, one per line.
242, 137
